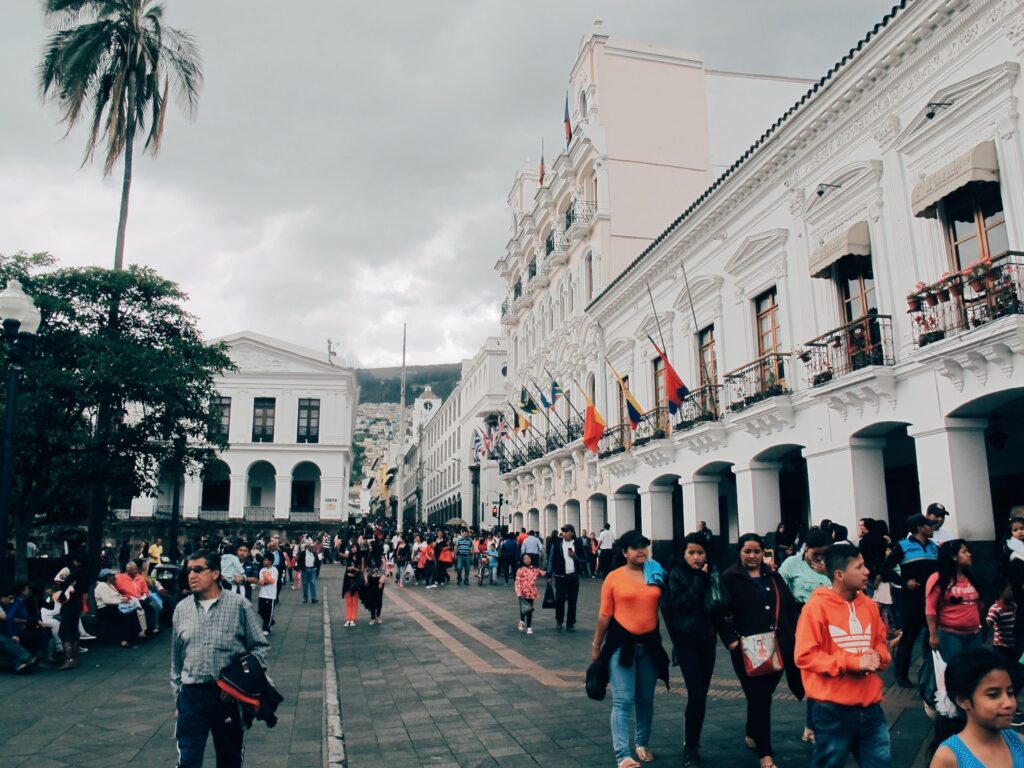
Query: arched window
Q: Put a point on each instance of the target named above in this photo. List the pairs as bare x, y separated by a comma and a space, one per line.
583, 105
571, 298
591, 387
588, 276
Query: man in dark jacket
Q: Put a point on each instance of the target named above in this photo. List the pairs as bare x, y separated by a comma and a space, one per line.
565, 561
917, 558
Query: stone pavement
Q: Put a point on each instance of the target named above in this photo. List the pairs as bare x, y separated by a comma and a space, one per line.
117, 707
448, 680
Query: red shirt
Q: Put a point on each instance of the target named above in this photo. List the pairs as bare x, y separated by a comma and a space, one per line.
136, 587
958, 611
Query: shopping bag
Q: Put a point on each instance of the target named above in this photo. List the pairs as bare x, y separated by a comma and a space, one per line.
549, 597
943, 704
597, 681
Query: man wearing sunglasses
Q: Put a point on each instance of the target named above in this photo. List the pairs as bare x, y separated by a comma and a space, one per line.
211, 629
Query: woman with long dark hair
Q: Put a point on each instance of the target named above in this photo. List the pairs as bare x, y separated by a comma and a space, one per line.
953, 603
375, 575
688, 605
628, 644
759, 629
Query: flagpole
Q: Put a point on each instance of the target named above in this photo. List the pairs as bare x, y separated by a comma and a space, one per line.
693, 314
522, 444
574, 408
551, 407
657, 321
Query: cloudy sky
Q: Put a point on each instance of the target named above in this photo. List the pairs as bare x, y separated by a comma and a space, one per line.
348, 168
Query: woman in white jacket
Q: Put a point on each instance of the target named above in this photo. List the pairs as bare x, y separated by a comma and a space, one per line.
108, 608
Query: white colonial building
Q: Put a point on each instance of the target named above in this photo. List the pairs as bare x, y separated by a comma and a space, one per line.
289, 414
820, 390
442, 479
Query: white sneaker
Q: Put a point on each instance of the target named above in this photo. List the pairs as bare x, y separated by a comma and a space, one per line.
522, 625
87, 636
529, 631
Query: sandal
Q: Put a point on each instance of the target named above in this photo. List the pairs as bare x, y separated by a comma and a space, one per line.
644, 754
750, 743
808, 736
628, 762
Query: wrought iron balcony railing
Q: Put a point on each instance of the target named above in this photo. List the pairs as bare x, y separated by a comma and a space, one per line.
306, 515
866, 341
983, 292
653, 426
531, 270
213, 514
555, 242
255, 514
703, 404
163, 511
617, 439
756, 381
579, 212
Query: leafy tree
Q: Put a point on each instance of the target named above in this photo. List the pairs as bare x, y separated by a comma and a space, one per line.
114, 60
153, 369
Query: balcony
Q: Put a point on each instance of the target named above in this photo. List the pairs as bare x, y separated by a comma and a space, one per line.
306, 515
213, 515
556, 248
653, 426
539, 275
762, 379
982, 293
518, 454
121, 514
258, 514
579, 218
163, 511
615, 440
864, 342
700, 406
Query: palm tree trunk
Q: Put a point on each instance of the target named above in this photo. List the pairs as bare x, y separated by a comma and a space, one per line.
126, 184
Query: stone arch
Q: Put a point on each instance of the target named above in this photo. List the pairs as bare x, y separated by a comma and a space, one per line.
597, 511
532, 519
305, 496
549, 522
260, 490
572, 514
215, 493
667, 525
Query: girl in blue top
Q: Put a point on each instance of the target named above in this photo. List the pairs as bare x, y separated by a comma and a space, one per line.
979, 684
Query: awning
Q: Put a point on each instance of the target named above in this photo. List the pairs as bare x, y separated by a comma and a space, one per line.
853, 241
977, 165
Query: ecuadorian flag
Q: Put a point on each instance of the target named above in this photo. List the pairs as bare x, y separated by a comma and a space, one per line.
633, 410
674, 387
593, 426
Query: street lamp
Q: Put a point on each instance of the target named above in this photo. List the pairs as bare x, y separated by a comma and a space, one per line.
20, 322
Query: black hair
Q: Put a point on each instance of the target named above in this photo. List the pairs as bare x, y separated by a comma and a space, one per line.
948, 553
817, 538
1019, 520
632, 540
965, 671
749, 537
838, 558
697, 540
839, 532
211, 558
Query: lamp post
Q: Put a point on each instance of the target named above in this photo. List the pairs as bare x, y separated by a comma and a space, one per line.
20, 322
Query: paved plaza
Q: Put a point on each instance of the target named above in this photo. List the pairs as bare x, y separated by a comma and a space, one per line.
446, 680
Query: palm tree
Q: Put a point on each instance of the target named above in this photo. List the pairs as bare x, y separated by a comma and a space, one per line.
115, 60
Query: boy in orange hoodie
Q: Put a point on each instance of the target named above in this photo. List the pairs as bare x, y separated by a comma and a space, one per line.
840, 650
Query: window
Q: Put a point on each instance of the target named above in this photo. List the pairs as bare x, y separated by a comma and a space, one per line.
856, 283
623, 413
767, 308
708, 357
256, 496
583, 105
588, 276
975, 224
220, 408
263, 420
592, 388
660, 392
309, 420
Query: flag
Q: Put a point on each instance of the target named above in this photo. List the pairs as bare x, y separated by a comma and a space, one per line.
568, 125
544, 401
593, 426
634, 412
485, 441
522, 423
540, 171
527, 403
478, 446
504, 430
673, 384
556, 392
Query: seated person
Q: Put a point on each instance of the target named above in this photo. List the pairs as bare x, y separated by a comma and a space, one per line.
133, 584
24, 625
10, 648
109, 602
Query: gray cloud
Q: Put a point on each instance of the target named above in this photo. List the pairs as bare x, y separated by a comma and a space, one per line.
348, 168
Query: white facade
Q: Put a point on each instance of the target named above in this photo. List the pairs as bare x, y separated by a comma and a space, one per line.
289, 415
807, 247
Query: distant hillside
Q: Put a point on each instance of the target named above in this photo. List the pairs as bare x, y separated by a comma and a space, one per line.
381, 385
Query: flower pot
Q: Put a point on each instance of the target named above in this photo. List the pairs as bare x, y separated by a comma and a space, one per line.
913, 304
978, 284
822, 377
930, 299
942, 295
956, 290
805, 357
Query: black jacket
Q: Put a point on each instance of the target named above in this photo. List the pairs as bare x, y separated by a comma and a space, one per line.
245, 680
684, 604
300, 561
556, 557
618, 637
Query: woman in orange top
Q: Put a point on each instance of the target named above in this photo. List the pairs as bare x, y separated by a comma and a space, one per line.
627, 642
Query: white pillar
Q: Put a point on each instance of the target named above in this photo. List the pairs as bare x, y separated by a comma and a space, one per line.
237, 502
143, 506
191, 497
757, 497
622, 513
282, 496
952, 468
656, 513
332, 498
847, 483
700, 501
597, 513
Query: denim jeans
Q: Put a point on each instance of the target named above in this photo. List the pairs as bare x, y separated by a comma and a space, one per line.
841, 730
462, 569
632, 686
200, 712
308, 583
952, 644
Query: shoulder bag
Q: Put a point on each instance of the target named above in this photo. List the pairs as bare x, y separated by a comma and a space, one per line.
760, 652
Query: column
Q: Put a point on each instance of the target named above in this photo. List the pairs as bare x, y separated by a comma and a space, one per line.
191, 497
952, 468
332, 498
236, 504
700, 501
847, 483
656, 520
143, 506
621, 513
597, 513
757, 497
282, 496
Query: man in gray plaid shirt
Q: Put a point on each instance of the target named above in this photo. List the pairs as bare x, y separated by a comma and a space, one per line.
211, 628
